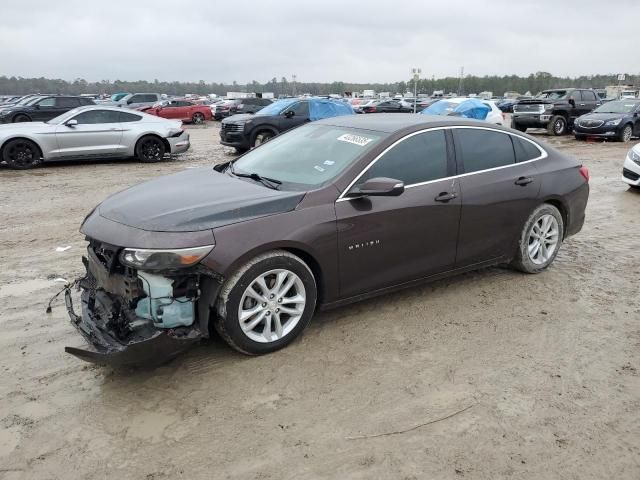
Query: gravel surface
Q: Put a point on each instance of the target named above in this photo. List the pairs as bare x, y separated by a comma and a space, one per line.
492, 374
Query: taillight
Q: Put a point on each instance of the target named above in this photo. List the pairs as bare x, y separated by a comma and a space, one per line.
584, 171
372, 109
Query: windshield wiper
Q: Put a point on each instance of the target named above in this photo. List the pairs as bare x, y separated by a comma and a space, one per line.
266, 181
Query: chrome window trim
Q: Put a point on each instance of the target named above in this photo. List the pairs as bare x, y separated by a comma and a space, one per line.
543, 155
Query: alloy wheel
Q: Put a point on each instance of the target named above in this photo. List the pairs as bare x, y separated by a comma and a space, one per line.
272, 305
152, 149
558, 126
198, 118
20, 154
626, 133
543, 239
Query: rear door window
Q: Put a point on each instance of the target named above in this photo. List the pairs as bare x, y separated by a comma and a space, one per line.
484, 149
418, 158
67, 102
129, 117
525, 150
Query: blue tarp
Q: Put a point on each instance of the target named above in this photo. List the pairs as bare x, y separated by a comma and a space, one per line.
321, 108
318, 108
470, 108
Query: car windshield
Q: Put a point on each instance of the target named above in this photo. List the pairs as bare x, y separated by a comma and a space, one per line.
308, 156
553, 95
276, 107
616, 107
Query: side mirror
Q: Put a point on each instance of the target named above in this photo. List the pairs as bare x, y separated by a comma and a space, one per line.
71, 123
378, 187
289, 113
572, 102
37, 107
129, 102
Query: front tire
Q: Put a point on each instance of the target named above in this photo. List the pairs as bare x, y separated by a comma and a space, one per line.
626, 133
262, 137
150, 149
20, 118
540, 240
21, 154
557, 126
198, 118
266, 304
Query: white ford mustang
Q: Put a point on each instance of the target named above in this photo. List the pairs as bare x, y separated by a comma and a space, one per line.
91, 132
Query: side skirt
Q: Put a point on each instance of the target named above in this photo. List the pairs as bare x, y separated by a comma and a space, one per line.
413, 283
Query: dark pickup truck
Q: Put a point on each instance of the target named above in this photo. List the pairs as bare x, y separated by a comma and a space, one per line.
554, 110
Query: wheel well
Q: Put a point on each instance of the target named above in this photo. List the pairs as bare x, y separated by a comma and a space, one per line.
13, 119
261, 129
563, 211
315, 269
20, 138
164, 141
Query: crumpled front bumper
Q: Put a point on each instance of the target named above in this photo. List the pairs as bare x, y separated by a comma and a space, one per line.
154, 349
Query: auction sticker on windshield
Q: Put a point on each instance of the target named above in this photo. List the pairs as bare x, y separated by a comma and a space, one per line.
355, 139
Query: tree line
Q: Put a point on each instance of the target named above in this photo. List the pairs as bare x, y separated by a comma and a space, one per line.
534, 82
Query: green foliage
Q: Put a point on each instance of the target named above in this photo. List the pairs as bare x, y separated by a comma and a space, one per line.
471, 84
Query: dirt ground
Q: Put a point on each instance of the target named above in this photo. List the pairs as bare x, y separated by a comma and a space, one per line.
543, 370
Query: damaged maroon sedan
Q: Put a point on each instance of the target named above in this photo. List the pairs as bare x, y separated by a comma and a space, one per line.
332, 212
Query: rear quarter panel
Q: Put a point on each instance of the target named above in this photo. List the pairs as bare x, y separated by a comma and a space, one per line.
563, 184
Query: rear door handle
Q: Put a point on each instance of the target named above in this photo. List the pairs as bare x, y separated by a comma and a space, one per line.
445, 197
522, 181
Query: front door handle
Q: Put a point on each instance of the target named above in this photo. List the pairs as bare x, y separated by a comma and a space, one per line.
445, 197
522, 181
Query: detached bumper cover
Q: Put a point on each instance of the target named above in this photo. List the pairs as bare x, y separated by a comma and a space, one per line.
179, 144
153, 349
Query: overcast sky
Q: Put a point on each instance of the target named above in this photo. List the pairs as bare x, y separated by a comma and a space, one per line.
319, 40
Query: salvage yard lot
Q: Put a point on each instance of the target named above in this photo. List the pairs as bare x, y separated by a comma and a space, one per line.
541, 372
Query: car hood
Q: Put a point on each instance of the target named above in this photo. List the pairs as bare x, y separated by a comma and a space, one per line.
25, 127
603, 116
239, 118
194, 200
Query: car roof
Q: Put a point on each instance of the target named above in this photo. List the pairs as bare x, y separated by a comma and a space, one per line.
394, 122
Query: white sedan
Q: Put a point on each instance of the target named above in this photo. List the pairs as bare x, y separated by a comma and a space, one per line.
631, 168
91, 132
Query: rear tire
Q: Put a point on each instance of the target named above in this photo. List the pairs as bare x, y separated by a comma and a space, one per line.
626, 133
150, 149
540, 240
520, 128
21, 154
266, 303
557, 126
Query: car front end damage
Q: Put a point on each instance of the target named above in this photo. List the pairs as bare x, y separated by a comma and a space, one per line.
140, 317
179, 142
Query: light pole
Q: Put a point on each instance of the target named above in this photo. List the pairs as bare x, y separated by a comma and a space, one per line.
416, 76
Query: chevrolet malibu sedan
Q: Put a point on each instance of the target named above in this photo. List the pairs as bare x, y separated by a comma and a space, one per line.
91, 132
332, 212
